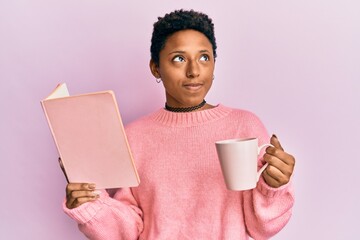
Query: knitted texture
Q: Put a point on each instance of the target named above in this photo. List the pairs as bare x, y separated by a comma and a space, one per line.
182, 194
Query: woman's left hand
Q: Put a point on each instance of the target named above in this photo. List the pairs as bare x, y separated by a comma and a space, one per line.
281, 164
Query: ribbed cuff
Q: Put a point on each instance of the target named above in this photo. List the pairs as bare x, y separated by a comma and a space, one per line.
268, 191
86, 211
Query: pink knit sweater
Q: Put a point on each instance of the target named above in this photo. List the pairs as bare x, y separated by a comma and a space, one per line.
182, 194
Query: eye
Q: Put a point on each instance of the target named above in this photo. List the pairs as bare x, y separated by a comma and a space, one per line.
178, 59
204, 58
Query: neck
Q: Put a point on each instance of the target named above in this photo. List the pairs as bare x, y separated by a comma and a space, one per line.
185, 109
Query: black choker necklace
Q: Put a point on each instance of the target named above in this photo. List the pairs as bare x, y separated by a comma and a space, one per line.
185, 109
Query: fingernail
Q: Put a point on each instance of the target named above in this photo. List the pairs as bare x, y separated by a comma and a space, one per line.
92, 186
96, 192
274, 136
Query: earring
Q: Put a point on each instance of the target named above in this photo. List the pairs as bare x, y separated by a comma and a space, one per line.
213, 77
158, 80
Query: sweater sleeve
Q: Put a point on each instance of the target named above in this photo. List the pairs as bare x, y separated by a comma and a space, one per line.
267, 210
117, 217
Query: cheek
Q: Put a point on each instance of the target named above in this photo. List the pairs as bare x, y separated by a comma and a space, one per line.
208, 68
209, 84
172, 75
209, 74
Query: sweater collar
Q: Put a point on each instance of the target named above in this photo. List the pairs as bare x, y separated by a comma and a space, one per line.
188, 119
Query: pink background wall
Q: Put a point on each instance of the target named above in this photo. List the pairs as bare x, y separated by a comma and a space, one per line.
294, 63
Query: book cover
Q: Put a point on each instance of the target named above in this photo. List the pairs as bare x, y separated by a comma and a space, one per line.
90, 138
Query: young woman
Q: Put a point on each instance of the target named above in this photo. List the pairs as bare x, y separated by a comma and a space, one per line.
182, 194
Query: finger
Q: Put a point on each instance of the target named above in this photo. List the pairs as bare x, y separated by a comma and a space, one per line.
272, 182
275, 142
73, 187
280, 154
79, 187
79, 201
276, 152
278, 163
73, 197
276, 174
80, 194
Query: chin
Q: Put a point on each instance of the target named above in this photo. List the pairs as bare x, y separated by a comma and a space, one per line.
194, 102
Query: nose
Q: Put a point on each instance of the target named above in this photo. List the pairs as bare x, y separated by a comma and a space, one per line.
192, 70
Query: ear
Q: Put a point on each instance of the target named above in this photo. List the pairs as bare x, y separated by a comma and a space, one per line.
154, 69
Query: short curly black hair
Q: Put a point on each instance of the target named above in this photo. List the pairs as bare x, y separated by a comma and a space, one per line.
176, 21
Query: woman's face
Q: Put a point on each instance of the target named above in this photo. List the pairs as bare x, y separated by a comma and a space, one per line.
186, 68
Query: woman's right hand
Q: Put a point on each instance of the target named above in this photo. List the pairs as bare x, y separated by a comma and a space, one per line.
80, 193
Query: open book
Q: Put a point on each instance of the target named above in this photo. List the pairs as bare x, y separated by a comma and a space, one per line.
90, 138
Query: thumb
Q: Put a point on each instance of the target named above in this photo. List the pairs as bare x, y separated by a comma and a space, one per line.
275, 142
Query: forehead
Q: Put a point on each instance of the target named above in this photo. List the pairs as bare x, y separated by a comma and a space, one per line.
187, 40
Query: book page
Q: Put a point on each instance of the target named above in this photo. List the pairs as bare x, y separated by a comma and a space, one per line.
60, 91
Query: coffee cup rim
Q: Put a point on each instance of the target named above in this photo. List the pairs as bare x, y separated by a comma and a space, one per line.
236, 140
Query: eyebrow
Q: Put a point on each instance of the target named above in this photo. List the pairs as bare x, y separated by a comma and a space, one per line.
179, 51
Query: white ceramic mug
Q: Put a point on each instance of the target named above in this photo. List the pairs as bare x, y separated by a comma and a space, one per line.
238, 160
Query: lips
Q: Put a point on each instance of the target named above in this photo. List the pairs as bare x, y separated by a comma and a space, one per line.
193, 86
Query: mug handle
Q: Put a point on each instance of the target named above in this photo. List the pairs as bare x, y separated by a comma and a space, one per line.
266, 164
